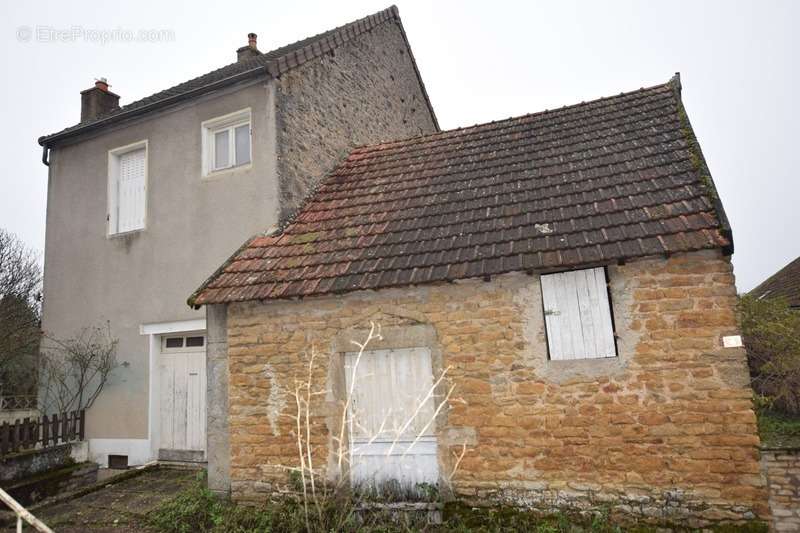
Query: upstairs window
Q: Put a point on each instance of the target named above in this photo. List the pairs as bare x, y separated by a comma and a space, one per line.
127, 188
577, 315
226, 142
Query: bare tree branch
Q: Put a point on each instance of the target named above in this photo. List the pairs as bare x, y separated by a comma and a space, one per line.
20, 296
321, 495
74, 371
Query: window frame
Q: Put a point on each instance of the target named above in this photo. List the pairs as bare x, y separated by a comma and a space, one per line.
209, 129
547, 333
112, 195
183, 347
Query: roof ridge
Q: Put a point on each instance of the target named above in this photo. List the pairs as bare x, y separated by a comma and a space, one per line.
274, 63
402, 158
362, 149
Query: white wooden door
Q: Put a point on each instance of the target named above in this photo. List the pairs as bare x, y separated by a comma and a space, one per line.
183, 399
392, 434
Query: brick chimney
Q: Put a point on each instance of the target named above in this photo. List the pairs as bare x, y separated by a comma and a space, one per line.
98, 100
251, 50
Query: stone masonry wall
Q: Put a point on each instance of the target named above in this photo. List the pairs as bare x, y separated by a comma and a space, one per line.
664, 431
366, 92
782, 469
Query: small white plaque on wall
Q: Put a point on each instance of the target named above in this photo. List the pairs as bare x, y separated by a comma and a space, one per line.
732, 341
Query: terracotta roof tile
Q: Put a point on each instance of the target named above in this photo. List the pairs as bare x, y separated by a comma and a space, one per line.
593, 183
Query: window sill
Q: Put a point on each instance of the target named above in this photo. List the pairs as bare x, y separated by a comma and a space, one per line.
583, 359
123, 234
565, 370
225, 172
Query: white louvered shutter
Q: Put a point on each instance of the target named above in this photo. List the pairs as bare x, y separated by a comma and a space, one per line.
131, 190
578, 315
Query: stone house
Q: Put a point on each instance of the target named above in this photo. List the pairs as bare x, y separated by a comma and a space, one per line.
559, 283
554, 291
146, 199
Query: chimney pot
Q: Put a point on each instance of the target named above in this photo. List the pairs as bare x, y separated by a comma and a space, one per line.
98, 100
251, 50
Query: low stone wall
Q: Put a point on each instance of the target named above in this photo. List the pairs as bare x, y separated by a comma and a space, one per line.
57, 482
33, 462
782, 470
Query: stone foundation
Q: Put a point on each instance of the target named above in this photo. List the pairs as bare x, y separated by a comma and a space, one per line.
664, 431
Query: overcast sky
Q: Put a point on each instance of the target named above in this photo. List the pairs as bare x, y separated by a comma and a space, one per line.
480, 61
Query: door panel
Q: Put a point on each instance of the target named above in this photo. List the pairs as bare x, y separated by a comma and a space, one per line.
392, 434
183, 402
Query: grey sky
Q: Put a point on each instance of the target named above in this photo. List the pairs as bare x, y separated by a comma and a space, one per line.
480, 61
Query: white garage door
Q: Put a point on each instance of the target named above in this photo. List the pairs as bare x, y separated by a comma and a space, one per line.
183, 398
386, 441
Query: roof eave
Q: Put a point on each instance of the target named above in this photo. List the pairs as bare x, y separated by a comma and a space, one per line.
51, 140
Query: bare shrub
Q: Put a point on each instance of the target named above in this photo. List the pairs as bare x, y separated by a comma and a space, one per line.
332, 503
74, 371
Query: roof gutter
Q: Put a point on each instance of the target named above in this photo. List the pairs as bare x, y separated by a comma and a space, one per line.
46, 141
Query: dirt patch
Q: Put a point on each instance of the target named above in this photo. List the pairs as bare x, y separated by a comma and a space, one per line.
120, 507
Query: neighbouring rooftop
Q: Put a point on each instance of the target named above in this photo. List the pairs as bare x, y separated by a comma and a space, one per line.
785, 283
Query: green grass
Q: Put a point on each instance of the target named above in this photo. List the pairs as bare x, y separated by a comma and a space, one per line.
779, 430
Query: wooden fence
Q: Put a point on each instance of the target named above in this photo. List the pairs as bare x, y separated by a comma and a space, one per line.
43, 432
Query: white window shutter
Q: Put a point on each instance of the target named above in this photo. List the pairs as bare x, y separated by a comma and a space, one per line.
578, 314
131, 190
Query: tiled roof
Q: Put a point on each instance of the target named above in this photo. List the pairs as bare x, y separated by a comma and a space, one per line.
273, 63
593, 183
785, 283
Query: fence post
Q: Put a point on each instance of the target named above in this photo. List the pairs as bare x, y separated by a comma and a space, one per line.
15, 430
64, 427
25, 438
45, 430
37, 430
5, 438
82, 425
55, 429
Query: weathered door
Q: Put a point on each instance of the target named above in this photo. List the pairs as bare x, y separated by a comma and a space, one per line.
392, 431
183, 399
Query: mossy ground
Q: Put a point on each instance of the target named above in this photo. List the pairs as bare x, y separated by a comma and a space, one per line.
197, 509
778, 430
